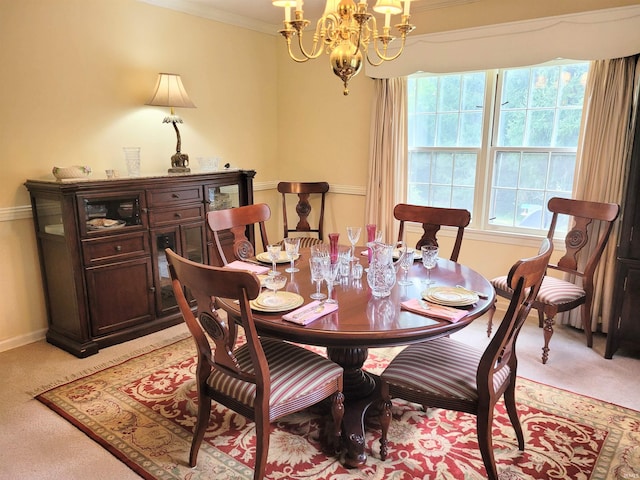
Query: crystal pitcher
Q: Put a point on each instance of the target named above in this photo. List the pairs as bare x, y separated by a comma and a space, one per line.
382, 269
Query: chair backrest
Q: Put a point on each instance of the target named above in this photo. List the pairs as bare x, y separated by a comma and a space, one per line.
432, 218
204, 283
238, 220
583, 213
303, 207
499, 358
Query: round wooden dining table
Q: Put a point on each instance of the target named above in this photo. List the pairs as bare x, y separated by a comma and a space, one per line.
363, 321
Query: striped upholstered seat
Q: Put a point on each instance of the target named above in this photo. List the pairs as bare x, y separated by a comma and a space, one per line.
585, 241
553, 291
445, 373
295, 372
455, 381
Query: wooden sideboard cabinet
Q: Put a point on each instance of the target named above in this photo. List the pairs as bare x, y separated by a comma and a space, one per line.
624, 323
101, 246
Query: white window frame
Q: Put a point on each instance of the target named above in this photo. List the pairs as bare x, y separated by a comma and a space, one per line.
480, 226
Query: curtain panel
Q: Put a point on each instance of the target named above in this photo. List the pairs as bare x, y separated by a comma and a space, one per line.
387, 154
604, 154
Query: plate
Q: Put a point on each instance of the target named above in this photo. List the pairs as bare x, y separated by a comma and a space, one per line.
282, 301
450, 296
264, 257
104, 224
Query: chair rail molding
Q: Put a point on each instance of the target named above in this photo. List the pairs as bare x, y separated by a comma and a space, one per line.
20, 212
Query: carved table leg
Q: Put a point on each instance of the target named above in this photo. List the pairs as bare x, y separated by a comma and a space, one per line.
360, 391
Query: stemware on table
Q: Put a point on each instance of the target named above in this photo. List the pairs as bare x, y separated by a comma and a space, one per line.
317, 275
275, 283
406, 261
429, 260
273, 251
291, 247
354, 235
329, 273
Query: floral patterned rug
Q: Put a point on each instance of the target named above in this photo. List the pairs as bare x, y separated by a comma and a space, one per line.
143, 411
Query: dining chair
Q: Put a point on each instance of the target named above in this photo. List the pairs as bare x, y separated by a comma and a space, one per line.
237, 221
432, 218
445, 373
264, 378
303, 209
561, 295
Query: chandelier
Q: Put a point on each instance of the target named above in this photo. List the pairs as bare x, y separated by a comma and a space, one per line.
348, 32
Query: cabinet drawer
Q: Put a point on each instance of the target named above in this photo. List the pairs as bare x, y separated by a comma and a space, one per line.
117, 247
167, 216
174, 196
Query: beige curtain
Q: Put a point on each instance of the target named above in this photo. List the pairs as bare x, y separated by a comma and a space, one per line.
603, 155
387, 154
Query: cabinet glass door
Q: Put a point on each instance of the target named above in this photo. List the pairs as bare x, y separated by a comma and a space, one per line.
223, 196
187, 241
165, 299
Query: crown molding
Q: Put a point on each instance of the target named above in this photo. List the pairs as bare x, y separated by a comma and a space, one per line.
203, 10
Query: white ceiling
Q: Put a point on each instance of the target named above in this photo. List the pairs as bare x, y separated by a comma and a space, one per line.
261, 15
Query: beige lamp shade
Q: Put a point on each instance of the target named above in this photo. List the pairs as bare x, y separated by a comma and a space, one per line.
169, 92
392, 7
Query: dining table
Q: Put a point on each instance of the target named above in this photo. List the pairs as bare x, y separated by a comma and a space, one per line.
363, 321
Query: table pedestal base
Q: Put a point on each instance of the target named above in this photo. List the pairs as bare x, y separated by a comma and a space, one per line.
360, 392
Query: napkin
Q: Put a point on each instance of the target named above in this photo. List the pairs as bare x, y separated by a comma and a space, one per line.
310, 312
447, 313
240, 265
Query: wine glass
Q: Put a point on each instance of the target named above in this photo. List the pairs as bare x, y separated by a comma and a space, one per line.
429, 259
354, 235
275, 283
405, 264
315, 267
320, 250
273, 251
291, 247
329, 273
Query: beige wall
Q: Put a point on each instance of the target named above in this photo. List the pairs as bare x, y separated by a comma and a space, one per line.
76, 75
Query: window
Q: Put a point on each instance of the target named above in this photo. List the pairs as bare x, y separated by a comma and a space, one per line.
498, 143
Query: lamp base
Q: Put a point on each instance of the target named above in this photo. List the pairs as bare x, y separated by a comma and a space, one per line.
179, 163
179, 170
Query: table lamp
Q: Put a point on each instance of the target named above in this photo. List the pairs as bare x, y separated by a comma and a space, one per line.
169, 92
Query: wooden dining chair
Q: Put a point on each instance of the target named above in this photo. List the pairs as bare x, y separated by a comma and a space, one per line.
432, 218
445, 373
238, 221
559, 295
263, 379
303, 209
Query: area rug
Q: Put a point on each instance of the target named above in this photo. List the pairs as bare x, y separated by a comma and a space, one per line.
143, 411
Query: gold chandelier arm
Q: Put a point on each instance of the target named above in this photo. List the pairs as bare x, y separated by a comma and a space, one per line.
382, 57
315, 51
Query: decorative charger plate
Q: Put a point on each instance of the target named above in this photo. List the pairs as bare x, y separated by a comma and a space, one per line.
264, 257
280, 302
450, 296
104, 224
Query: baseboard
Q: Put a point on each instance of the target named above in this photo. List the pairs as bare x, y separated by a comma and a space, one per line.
19, 341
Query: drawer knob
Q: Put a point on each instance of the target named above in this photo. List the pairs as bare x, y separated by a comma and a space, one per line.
118, 248
177, 215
